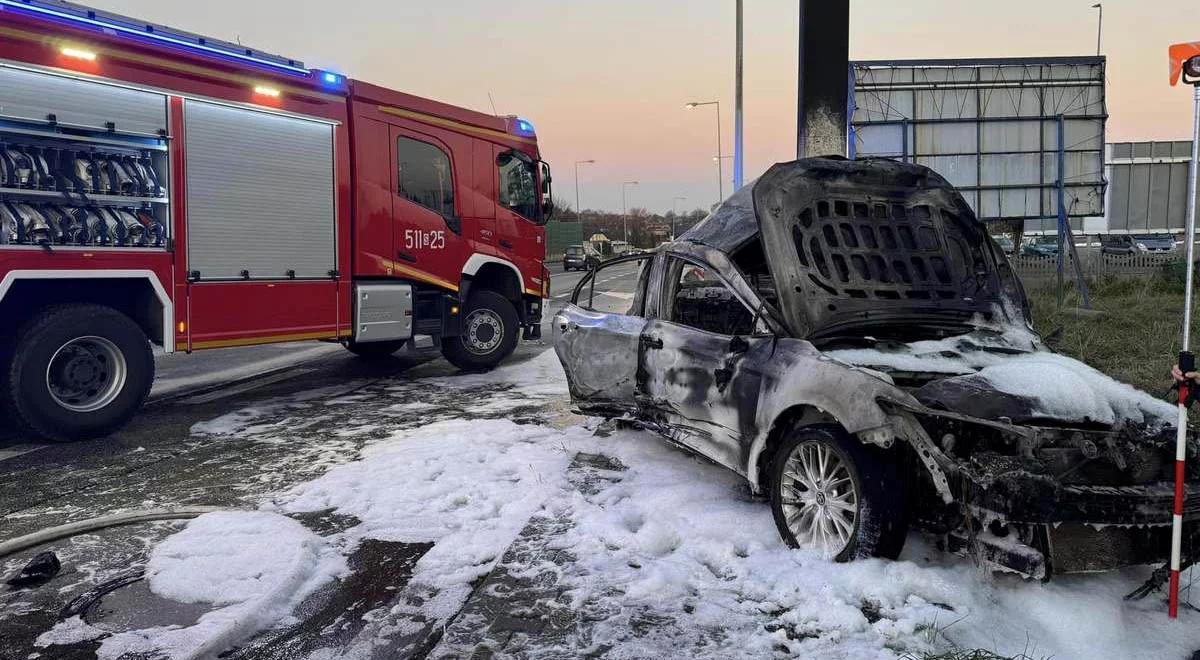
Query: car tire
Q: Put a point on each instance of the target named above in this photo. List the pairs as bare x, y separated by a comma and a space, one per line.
855, 475
375, 350
489, 333
79, 371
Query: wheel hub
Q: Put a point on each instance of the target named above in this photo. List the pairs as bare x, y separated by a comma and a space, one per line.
485, 330
820, 499
86, 374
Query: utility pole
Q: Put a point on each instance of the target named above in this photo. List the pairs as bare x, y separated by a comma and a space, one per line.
822, 84
578, 208
720, 169
737, 105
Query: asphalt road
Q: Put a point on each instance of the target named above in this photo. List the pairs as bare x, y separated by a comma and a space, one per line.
159, 460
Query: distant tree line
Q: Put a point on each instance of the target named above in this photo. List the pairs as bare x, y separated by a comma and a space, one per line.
646, 229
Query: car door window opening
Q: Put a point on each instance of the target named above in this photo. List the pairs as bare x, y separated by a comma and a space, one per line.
700, 299
603, 286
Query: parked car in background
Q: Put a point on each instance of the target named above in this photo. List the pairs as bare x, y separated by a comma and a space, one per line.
1137, 244
1006, 245
577, 257
846, 337
1040, 246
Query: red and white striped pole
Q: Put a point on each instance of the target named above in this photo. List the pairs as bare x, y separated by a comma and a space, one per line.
1185, 59
1187, 362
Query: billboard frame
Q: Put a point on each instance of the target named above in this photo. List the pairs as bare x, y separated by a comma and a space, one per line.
1051, 148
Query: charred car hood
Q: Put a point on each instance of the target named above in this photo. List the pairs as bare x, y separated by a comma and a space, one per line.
1008, 374
873, 242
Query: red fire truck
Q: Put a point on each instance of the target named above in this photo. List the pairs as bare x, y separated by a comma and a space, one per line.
159, 187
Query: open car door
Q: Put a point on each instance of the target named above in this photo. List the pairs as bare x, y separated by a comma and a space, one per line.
596, 335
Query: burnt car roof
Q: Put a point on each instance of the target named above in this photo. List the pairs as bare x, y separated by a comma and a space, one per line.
865, 242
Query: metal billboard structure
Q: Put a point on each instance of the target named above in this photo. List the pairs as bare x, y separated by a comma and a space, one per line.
1004, 131
1148, 186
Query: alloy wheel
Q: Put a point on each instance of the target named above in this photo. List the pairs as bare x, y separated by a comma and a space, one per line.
819, 498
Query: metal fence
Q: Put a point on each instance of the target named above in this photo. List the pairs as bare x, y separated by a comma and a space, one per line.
559, 235
1095, 265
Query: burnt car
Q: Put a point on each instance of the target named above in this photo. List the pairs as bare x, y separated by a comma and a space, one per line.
847, 337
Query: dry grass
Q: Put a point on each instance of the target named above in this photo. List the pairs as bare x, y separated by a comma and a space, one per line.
1134, 339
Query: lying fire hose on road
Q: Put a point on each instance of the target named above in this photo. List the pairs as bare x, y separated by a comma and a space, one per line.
49, 534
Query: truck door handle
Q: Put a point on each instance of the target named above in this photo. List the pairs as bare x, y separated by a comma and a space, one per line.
652, 342
505, 244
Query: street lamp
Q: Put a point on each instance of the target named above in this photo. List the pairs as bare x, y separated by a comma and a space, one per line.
1099, 25
624, 215
578, 208
675, 213
720, 172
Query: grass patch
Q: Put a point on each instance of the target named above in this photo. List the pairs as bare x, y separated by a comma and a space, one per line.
1136, 337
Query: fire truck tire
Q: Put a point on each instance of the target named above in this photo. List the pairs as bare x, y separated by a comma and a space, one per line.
489, 333
374, 350
79, 371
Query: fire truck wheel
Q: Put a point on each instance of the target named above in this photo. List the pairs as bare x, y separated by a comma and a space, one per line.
489, 333
79, 371
374, 350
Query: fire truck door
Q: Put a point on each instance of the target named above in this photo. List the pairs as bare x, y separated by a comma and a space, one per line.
426, 213
516, 238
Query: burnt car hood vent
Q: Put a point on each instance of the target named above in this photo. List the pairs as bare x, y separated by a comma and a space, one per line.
874, 241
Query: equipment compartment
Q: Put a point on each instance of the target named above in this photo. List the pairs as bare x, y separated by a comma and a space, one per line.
95, 178
60, 189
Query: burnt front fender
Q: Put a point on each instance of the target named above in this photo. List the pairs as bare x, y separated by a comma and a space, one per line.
800, 376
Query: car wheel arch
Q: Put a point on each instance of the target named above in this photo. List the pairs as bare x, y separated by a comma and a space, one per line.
761, 452
911, 436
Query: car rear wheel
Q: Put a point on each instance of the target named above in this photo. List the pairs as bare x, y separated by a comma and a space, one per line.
79, 371
832, 494
489, 333
374, 350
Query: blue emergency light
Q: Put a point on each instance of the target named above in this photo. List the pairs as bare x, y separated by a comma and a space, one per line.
524, 128
78, 15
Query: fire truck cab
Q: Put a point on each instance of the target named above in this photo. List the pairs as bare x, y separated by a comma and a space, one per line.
159, 187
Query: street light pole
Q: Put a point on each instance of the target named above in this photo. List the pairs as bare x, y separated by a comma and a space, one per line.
624, 212
737, 105
720, 169
675, 213
578, 208
1099, 25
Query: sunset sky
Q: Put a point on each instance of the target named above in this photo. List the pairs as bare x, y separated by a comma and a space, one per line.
608, 79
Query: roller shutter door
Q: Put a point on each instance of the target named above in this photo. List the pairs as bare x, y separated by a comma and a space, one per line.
34, 96
260, 194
